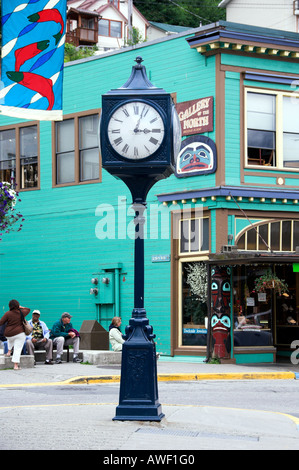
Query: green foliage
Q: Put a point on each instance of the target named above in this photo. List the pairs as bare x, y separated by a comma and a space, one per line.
72, 53
271, 281
136, 37
214, 360
181, 12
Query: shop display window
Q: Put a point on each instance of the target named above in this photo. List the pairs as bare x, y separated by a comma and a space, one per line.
253, 311
194, 304
287, 309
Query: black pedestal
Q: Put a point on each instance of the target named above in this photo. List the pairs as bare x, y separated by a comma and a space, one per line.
138, 398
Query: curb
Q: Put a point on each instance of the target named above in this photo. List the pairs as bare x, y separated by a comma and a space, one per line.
189, 377
165, 378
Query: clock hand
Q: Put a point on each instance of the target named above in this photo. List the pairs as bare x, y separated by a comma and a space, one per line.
145, 131
137, 125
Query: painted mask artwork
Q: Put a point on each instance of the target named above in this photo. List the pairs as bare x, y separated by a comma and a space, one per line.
197, 157
220, 321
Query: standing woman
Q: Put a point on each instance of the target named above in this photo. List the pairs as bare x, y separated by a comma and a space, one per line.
14, 330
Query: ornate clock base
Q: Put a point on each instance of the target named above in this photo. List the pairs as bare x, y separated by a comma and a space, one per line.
138, 398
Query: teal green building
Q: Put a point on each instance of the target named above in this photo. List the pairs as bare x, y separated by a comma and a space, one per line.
232, 203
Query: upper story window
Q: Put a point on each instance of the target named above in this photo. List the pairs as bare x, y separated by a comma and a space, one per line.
114, 2
194, 235
88, 23
280, 235
19, 155
110, 28
77, 157
272, 121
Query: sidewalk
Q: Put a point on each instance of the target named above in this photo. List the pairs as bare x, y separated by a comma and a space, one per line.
169, 369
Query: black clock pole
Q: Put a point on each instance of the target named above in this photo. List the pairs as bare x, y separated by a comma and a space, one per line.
139, 148
138, 398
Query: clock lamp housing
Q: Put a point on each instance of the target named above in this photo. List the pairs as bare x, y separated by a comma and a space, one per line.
138, 132
150, 147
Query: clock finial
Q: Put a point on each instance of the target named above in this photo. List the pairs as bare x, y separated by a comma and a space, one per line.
138, 60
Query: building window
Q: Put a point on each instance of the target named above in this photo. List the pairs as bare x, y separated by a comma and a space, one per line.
194, 307
114, 2
272, 137
88, 147
19, 155
253, 311
194, 235
191, 247
77, 157
110, 28
281, 235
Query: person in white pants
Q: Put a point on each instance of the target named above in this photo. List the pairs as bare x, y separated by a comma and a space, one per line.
14, 329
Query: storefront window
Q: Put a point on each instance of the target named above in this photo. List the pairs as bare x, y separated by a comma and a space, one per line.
190, 271
287, 309
194, 304
252, 310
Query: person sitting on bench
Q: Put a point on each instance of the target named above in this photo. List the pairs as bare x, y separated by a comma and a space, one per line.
63, 333
39, 338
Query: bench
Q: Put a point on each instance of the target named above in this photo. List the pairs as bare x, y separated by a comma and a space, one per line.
42, 352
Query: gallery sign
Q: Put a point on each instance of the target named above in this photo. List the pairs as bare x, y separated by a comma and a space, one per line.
198, 156
196, 116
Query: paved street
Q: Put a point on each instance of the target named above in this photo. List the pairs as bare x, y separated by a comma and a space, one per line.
199, 414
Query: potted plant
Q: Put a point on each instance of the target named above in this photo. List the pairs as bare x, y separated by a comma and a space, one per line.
271, 281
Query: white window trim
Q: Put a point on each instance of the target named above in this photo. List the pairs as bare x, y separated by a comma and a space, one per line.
278, 130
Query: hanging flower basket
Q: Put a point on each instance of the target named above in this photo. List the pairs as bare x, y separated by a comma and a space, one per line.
9, 217
271, 281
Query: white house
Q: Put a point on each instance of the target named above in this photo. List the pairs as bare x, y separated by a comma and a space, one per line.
159, 30
277, 14
112, 21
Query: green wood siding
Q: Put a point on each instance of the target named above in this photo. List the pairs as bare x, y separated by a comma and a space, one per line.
50, 263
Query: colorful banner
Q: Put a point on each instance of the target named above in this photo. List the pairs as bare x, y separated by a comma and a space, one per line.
33, 37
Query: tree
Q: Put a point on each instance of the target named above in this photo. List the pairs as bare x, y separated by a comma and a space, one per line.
190, 13
136, 37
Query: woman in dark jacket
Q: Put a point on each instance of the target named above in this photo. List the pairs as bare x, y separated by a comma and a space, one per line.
14, 330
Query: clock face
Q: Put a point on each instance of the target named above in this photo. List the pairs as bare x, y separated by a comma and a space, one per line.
136, 130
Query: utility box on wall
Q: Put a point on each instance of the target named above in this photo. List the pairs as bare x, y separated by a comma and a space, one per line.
93, 336
106, 288
107, 293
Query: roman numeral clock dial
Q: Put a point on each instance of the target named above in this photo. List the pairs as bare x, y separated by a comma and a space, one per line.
136, 130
